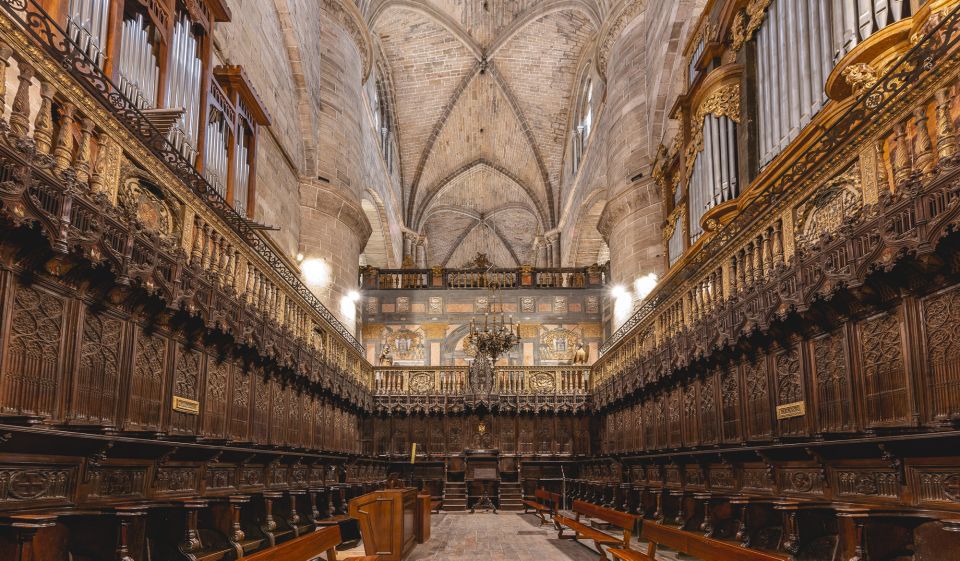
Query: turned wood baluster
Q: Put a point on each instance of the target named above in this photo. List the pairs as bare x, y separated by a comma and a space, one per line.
43, 124
63, 151
236, 530
191, 535
901, 155
20, 110
860, 551
234, 270
5, 53
126, 516
743, 526
946, 136
922, 145
207, 249
791, 539
216, 251
82, 162
196, 244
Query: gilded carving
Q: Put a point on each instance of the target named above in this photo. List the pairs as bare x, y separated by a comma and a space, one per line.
861, 77
747, 22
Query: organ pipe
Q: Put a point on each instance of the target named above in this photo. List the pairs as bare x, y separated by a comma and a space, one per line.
798, 45
183, 87
87, 27
138, 68
713, 180
215, 152
241, 172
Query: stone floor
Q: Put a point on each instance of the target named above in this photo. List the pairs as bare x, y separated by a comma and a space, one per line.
493, 537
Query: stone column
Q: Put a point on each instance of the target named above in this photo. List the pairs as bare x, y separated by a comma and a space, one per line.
333, 226
631, 224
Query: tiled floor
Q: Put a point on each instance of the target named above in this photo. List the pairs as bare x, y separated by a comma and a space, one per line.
493, 537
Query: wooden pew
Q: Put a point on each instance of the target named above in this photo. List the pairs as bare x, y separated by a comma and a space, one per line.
619, 519
547, 503
657, 535
307, 547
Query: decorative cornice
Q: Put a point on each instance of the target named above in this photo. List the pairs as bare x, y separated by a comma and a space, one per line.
349, 17
722, 102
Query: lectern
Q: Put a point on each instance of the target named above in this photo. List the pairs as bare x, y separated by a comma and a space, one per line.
388, 522
483, 479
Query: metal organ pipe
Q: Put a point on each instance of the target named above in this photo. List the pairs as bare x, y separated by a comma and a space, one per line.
183, 87
713, 180
855, 20
215, 153
87, 26
137, 63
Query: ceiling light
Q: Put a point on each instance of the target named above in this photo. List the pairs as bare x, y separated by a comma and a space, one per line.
316, 272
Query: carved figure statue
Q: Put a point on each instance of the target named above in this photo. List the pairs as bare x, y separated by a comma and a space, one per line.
386, 359
581, 355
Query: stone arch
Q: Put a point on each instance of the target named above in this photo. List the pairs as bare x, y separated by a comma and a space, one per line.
378, 251
588, 243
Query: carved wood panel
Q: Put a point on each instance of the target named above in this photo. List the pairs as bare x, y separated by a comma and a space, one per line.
187, 381
545, 434
260, 423
507, 428
30, 380
145, 392
216, 398
788, 373
96, 377
526, 434
674, 410
709, 419
941, 316
690, 414
757, 399
730, 404
241, 404
832, 383
885, 384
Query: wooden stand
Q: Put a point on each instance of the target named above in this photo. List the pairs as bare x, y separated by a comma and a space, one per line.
388, 521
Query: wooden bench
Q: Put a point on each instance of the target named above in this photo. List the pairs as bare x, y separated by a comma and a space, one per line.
547, 504
307, 547
689, 543
617, 518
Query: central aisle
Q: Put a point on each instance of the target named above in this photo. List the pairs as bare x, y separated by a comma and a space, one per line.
507, 536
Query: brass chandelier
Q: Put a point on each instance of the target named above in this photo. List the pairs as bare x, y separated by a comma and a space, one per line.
497, 336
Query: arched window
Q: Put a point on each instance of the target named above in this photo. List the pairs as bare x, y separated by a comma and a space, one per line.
583, 123
381, 120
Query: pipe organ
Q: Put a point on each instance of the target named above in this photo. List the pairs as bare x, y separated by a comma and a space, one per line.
795, 58
714, 177
138, 70
798, 45
183, 86
87, 22
855, 20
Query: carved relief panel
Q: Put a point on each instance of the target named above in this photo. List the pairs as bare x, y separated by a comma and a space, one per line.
757, 391
187, 380
730, 404
145, 392
30, 379
832, 383
709, 420
241, 404
885, 381
941, 315
790, 402
96, 377
216, 398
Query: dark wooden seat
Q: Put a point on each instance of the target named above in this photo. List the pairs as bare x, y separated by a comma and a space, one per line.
547, 504
617, 518
689, 543
307, 547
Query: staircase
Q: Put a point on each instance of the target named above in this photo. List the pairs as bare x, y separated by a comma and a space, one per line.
511, 496
455, 496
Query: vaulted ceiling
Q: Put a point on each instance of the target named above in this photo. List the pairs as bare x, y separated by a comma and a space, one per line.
483, 93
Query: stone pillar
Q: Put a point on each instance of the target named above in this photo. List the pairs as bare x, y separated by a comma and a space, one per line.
631, 224
333, 227
422, 252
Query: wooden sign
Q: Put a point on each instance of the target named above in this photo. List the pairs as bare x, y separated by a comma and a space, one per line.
184, 405
791, 410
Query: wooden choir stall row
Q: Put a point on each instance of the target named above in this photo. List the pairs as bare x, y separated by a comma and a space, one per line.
211, 528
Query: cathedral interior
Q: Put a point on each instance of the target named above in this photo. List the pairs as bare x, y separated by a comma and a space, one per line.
453, 280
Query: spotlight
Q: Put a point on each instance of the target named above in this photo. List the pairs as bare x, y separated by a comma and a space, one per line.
316, 272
